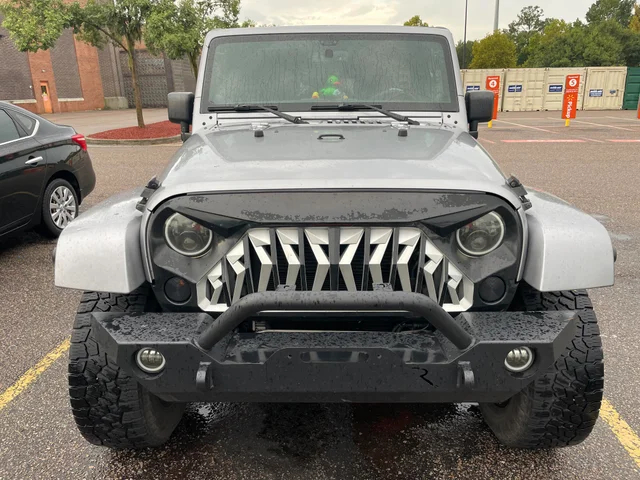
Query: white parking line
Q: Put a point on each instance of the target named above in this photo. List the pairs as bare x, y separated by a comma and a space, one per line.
555, 140
527, 126
602, 125
620, 118
557, 118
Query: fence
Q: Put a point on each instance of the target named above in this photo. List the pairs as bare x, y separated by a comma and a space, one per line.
534, 89
157, 76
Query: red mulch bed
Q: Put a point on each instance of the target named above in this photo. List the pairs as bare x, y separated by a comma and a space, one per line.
152, 130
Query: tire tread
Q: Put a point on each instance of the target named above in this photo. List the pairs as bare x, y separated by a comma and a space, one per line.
561, 407
105, 402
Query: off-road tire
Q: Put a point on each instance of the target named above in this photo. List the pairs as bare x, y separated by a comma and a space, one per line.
561, 407
110, 408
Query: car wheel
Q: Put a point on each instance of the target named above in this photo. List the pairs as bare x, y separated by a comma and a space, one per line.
109, 406
59, 207
561, 407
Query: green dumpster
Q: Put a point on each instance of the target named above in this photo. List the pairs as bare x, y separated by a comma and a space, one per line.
632, 90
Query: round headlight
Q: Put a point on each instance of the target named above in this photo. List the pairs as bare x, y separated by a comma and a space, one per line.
186, 236
481, 236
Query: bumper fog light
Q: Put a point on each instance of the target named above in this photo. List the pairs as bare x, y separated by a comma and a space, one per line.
150, 360
519, 359
492, 289
177, 290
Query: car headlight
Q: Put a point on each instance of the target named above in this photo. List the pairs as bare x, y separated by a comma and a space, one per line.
482, 236
186, 236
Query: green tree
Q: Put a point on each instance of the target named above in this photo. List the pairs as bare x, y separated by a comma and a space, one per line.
496, 50
415, 21
603, 44
179, 28
634, 24
468, 54
631, 49
528, 25
618, 10
560, 45
120, 22
37, 24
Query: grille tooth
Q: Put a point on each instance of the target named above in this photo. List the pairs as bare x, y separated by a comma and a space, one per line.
336, 258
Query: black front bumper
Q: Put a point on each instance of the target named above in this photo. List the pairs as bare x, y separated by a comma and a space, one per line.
462, 361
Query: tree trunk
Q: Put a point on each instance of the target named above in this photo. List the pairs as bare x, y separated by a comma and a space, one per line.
193, 59
137, 97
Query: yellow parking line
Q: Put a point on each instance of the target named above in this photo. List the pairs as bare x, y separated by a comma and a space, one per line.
32, 374
621, 429
625, 434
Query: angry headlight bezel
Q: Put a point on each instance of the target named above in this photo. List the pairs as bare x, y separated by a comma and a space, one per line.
474, 254
171, 243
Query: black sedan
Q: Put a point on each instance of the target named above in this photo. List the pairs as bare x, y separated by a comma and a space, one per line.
45, 172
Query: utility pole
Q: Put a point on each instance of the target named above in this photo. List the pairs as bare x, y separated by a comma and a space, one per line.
497, 17
464, 42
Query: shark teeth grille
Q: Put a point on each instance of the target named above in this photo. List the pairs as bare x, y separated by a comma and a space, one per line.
335, 258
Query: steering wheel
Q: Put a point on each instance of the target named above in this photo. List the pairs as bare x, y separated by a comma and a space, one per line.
395, 93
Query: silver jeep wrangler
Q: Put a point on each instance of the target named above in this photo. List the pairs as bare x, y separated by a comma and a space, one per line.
331, 231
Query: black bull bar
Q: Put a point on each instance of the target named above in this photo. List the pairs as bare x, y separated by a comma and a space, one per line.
462, 360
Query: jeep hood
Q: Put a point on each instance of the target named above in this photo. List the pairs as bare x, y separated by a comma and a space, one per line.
329, 156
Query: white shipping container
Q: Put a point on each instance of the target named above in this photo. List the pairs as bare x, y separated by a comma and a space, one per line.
604, 89
476, 79
553, 91
523, 89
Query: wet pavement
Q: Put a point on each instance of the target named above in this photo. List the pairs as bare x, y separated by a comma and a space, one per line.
321, 441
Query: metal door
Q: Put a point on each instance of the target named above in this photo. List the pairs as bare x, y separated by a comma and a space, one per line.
553, 92
523, 90
476, 80
605, 88
46, 97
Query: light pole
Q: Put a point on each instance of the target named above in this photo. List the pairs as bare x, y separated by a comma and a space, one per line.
464, 42
497, 17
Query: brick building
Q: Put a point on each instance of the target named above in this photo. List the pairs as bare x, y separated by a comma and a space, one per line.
75, 76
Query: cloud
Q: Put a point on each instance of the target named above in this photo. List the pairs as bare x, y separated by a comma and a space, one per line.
345, 12
448, 14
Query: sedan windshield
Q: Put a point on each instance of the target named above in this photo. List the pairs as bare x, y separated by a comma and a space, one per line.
297, 71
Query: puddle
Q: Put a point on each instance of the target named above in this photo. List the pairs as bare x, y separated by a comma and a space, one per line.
620, 236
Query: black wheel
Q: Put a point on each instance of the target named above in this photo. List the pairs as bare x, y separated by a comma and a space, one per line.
561, 407
110, 408
59, 207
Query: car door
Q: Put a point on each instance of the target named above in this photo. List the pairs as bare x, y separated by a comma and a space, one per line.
22, 171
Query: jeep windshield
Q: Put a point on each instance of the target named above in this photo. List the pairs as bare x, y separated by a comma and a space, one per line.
300, 72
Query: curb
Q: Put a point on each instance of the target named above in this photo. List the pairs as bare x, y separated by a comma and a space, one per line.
144, 141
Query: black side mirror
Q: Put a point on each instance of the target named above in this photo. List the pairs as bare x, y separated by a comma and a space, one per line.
180, 106
479, 109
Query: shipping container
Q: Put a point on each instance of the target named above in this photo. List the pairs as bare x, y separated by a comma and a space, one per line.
476, 79
605, 88
632, 89
523, 89
553, 91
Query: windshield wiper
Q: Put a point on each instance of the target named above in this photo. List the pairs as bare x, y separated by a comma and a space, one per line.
365, 106
252, 108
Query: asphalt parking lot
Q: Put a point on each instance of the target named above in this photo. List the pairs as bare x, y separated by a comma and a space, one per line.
594, 164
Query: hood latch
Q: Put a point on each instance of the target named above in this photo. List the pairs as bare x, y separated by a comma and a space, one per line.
519, 190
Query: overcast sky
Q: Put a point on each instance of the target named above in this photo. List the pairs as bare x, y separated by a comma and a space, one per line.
447, 13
